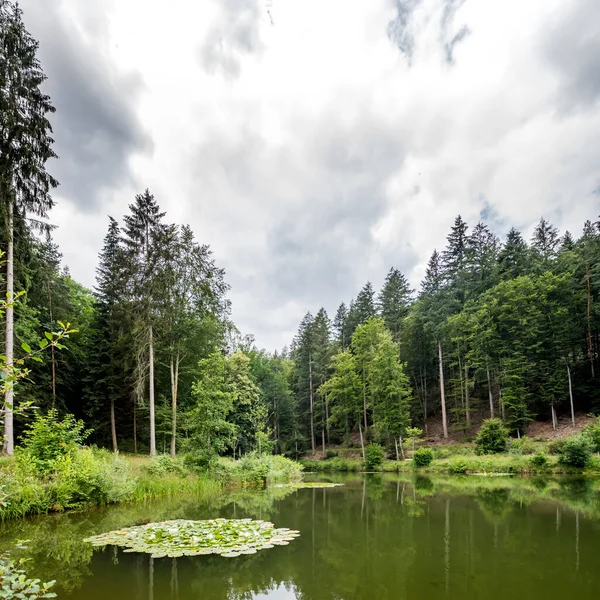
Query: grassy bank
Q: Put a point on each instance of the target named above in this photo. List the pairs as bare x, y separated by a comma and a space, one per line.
88, 476
461, 459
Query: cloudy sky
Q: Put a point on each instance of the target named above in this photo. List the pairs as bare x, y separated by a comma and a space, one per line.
315, 143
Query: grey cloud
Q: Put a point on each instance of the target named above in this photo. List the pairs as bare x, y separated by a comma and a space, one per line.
402, 30
95, 125
399, 28
572, 47
234, 35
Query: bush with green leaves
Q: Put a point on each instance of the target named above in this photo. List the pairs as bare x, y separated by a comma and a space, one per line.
14, 582
163, 464
422, 457
374, 455
330, 454
522, 446
458, 466
576, 452
592, 433
49, 438
539, 461
492, 437
555, 446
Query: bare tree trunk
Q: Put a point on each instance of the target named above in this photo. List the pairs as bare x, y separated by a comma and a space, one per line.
364, 398
442, 392
327, 418
490, 393
589, 310
151, 378
8, 445
401, 444
397, 453
571, 395
467, 399
52, 348
134, 426
113, 426
553, 411
323, 424
174, 386
312, 417
362, 441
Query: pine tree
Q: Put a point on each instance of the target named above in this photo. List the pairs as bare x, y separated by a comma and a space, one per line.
394, 301
513, 259
25, 147
545, 243
433, 275
481, 259
143, 233
340, 325
362, 308
454, 257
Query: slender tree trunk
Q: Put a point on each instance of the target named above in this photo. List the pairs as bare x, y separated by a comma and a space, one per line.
397, 453
364, 398
589, 320
502, 406
134, 427
553, 411
327, 419
362, 441
401, 444
113, 426
571, 395
312, 417
467, 399
52, 347
174, 386
442, 392
490, 393
323, 424
151, 378
9, 436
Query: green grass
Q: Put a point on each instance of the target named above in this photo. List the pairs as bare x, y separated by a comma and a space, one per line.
90, 477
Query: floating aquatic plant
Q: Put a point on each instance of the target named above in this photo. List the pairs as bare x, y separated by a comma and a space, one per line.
227, 537
309, 484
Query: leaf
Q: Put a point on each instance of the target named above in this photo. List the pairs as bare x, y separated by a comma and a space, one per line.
26, 347
48, 335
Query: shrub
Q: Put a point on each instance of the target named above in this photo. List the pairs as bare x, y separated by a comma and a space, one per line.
330, 454
458, 466
374, 456
539, 461
422, 457
556, 446
592, 433
521, 446
492, 437
200, 460
48, 438
163, 464
576, 452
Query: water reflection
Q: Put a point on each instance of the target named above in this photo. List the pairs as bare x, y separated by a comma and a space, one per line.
379, 536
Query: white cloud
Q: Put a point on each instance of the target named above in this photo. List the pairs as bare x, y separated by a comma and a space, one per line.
311, 154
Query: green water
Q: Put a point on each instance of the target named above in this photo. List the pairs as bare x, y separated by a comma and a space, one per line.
377, 537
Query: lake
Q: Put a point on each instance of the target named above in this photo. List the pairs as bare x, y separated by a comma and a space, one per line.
376, 537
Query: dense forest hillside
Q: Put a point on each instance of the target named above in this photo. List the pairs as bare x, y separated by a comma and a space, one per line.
153, 362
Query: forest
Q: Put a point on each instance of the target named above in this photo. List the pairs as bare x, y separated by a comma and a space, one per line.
153, 363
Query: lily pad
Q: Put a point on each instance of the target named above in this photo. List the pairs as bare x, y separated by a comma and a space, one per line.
227, 537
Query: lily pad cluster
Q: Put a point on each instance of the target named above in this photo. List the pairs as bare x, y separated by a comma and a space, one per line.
310, 485
227, 537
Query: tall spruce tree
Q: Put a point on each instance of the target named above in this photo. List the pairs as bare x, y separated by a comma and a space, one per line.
514, 257
25, 147
143, 234
394, 301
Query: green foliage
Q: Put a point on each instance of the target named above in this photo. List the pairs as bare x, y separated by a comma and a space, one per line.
14, 583
521, 446
164, 464
374, 456
458, 466
422, 457
492, 437
330, 454
555, 446
592, 433
540, 461
576, 452
258, 470
49, 439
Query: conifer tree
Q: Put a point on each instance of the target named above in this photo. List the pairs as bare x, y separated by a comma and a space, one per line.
25, 147
394, 301
513, 259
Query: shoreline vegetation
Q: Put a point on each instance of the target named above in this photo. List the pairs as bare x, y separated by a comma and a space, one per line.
92, 477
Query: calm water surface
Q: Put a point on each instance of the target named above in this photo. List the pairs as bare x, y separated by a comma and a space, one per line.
377, 537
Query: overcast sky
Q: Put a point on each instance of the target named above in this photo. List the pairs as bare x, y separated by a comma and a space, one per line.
315, 143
